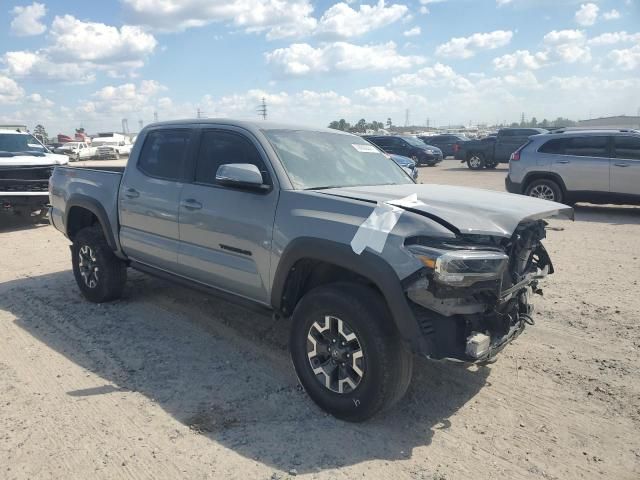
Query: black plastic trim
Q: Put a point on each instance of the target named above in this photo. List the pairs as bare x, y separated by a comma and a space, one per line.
92, 205
368, 265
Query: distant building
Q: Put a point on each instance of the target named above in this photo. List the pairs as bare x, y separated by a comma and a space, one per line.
620, 121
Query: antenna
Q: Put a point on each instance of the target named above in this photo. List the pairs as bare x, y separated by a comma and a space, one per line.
262, 109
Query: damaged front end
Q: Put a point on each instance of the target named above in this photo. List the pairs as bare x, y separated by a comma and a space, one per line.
473, 295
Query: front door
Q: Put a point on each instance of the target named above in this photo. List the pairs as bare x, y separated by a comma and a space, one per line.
583, 163
625, 167
149, 198
226, 232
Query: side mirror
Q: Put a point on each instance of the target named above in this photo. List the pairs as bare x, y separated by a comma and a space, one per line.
242, 175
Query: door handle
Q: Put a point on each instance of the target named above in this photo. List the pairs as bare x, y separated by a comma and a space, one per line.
564, 161
191, 204
621, 164
131, 193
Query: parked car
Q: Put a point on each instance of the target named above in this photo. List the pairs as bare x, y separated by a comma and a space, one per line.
77, 151
593, 166
488, 152
111, 148
448, 143
407, 164
25, 168
408, 146
317, 226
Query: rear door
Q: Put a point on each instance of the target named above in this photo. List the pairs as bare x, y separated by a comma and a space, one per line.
625, 167
149, 197
581, 162
226, 232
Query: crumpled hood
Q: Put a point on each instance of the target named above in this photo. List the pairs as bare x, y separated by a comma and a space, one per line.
469, 210
33, 161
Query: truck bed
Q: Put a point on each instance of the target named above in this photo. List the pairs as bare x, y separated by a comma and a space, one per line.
81, 186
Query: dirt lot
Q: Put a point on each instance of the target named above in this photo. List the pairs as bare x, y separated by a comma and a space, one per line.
170, 383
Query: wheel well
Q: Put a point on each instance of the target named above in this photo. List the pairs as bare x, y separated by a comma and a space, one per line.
474, 152
543, 176
79, 218
307, 274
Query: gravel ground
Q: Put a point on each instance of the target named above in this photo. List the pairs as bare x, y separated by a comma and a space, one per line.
170, 383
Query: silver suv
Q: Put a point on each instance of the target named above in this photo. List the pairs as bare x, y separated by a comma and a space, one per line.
598, 166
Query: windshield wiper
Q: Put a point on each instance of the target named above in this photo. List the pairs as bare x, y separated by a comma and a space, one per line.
4, 153
324, 188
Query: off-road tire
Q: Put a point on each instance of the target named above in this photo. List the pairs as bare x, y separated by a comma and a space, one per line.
111, 274
476, 161
537, 188
388, 364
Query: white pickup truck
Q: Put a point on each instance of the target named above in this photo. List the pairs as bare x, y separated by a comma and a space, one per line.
77, 151
25, 168
112, 147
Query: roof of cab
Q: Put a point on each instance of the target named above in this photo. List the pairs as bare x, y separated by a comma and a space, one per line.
253, 126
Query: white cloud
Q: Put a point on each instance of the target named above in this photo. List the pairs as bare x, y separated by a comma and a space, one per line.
10, 91
465, 47
568, 46
128, 97
612, 38
437, 74
611, 15
27, 19
381, 95
587, 14
521, 59
343, 21
80, 49
412, 32
626, 59
278, 18
97, 42
503, 2
302, 59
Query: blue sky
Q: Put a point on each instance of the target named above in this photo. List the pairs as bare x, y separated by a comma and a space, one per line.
66, 63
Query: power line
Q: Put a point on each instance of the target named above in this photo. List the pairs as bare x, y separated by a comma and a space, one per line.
262, 109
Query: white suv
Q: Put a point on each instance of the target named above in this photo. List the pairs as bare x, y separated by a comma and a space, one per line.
597, 166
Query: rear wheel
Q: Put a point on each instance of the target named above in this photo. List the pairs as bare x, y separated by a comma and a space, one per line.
544, 189
100, 275
476, 161
346, 352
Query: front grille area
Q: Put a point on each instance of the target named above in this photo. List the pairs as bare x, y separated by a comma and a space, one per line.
25, 179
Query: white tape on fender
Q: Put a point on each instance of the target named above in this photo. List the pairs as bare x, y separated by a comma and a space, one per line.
375, 229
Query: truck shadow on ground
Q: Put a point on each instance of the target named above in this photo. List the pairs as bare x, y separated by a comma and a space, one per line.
225, 373
14, 223
611, 214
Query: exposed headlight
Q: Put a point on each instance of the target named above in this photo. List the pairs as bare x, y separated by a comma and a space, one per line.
461, 267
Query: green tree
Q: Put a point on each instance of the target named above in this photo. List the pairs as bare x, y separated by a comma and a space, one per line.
534, 122
389, 123
361, 126
40, 133
544, 123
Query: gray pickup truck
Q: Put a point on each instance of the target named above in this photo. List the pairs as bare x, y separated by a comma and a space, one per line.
488, 152
320, 226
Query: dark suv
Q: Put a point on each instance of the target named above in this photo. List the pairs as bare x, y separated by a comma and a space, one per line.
448, 143
408, 146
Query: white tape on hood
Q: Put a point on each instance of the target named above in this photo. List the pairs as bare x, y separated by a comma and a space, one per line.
375, 229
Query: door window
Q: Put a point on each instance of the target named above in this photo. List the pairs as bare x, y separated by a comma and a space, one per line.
164, 154
594, 146
218, 147
627, 147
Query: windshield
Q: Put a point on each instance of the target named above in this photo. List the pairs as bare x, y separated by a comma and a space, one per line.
71, 144
324, 160
20, 142
414, 142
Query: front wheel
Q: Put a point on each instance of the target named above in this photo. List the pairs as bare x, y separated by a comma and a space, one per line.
476, 161
346, 352
100, 275
545, 189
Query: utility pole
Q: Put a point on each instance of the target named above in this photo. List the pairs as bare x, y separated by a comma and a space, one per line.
155, 116
125, 125
406, 117
140, 124
262, 109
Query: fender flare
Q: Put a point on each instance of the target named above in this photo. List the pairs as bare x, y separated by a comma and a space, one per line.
541, 174
367, 264
92, 205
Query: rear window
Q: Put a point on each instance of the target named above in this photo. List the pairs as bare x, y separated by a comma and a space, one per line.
164, 154
627, 147
593, 146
